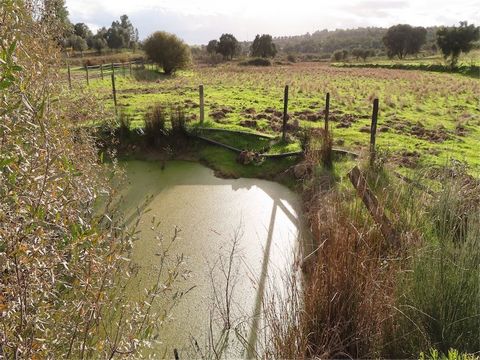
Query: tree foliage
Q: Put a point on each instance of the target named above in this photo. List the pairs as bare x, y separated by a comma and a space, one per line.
263, 46
454, 40
212, 47
168, 51
402, 40
228, 46
362, 53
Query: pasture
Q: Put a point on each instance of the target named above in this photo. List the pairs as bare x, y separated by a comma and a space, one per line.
425, 118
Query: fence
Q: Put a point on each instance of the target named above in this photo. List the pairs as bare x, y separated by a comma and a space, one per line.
110, 70
103, 71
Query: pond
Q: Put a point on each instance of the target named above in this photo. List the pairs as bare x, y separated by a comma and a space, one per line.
262, 216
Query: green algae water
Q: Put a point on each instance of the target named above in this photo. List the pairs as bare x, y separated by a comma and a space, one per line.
210, 212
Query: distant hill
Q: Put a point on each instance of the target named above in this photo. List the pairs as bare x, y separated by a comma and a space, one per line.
326, 42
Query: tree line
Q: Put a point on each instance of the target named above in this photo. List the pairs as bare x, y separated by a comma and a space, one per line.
120, 35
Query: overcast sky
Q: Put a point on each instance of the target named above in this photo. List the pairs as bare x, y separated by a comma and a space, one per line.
197, 22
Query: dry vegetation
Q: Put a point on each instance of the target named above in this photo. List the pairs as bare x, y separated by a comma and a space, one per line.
63, 269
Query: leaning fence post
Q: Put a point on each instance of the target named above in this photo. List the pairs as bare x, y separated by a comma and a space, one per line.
86, 69
327, 110
114, 91
202, 104
285, 113
101, 70
113, 69
373, 130
69, 77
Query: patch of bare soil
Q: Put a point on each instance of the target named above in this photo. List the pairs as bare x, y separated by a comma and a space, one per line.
220, 113
437, 135
249, 123
406, 158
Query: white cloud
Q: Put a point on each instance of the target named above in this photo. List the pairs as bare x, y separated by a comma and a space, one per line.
197, 22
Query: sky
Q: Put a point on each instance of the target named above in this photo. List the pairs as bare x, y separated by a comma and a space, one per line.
197, 22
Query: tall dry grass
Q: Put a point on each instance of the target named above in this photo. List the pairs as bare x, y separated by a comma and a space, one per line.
360, 297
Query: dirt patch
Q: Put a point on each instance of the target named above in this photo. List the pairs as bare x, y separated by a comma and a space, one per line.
276, 124
461, 130
249, 111
220, 113
189, 104
437, 135
272, 111
409, 159
249, 123
308, 115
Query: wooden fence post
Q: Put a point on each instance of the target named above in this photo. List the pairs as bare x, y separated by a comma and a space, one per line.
373, 131
69, 77
285, 113
86, 69
175, 354
327, 110
114, 91
101, 70
130, 67
373, 206
202, 104
123, 68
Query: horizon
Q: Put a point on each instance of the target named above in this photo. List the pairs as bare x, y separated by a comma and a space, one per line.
197, 25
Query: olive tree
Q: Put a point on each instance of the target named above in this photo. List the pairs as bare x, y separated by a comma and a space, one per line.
228, 46
168, 51
402, 40
455, 40
263, 46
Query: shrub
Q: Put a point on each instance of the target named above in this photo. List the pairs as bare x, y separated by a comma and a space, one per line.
154, 128
168, 51
124, 122
291, 58
256, 62
178, 121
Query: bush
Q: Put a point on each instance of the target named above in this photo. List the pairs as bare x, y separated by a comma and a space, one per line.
168, 51
155, 124
256, 62
178, 121
124, 121
291, 58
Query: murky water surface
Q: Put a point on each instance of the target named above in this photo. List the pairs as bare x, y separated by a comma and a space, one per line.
210, 212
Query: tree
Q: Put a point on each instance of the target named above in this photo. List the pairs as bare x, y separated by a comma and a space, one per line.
337, 55
212, 47
401, 40
128, 33
455, 40
263, 46
82, 30
362, 53
78, 43
168, 51
357, 53
228, 46
115, 36
99, 43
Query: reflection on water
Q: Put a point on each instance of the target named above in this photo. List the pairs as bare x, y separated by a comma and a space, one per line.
209, 211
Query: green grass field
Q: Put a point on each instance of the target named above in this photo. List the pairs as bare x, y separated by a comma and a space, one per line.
425, 118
